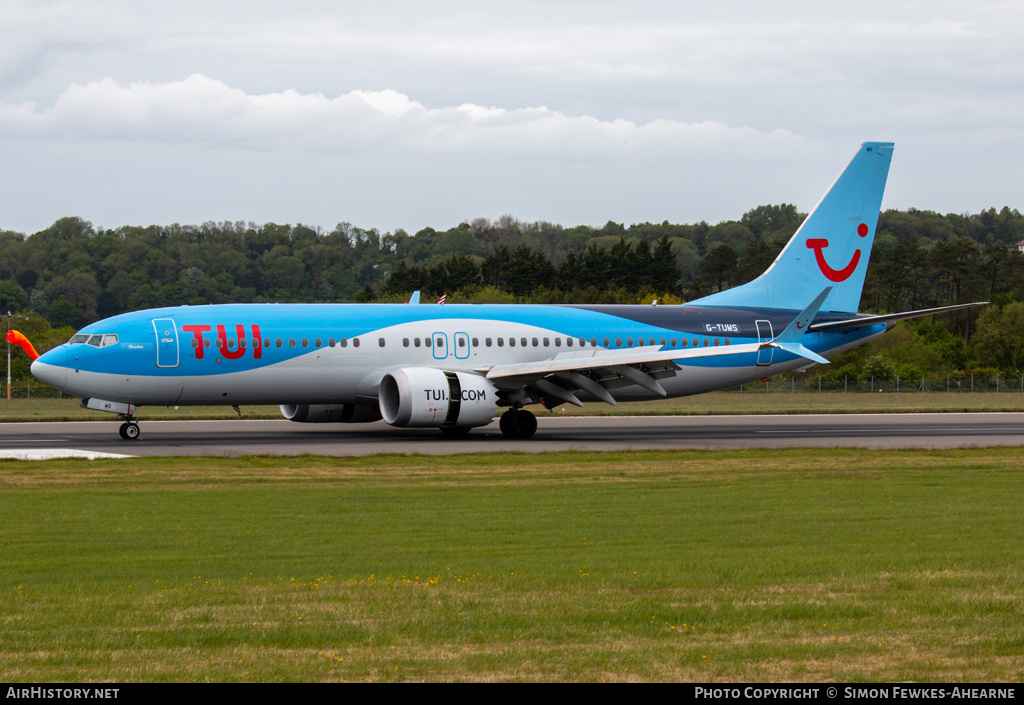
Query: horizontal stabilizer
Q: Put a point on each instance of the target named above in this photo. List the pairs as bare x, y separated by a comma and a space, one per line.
890, 318
790, 339
800, 350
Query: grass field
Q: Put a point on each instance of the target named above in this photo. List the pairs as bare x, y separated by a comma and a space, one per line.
794, 565
753, 402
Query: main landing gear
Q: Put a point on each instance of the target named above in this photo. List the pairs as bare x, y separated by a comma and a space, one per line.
518, 423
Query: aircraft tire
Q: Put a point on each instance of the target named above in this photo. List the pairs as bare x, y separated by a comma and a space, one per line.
506, 425
129, 431
521, 424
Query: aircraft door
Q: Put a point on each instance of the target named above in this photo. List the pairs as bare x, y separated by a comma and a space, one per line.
166, 342
440, 346
764, 334
461, 346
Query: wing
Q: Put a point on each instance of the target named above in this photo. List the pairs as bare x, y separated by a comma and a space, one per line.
598, 371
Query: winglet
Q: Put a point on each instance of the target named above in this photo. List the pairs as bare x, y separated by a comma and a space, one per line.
18, 338
415, 298
790, 339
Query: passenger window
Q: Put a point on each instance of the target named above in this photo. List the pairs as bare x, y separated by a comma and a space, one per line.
716, 342
618, 342
291, 342
706, 344
535, 343
195, 343
462, 342
727, 342
696, 343
305, 342
501, 342
428, 341
640, 341
487, 342
279, 343
416, 342
405, 342
318, 343
332, 342
380, 342
355, 342
606, 342
343, 342
206, 342
440, 342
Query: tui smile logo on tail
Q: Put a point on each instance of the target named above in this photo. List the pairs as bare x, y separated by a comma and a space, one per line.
836, 275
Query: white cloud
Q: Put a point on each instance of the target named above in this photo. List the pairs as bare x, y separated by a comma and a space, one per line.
203, 110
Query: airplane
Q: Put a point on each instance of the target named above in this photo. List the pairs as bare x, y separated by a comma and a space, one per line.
453, 366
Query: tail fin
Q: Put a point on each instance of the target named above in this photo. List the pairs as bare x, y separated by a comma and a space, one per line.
831, 248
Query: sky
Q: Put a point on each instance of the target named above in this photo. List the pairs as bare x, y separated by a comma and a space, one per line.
406, 115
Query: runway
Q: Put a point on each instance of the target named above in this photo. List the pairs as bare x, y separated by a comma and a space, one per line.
280, 437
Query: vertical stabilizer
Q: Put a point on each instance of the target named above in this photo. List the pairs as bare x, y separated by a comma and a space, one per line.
831, 248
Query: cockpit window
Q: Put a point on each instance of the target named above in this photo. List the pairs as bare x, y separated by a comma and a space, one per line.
97, 341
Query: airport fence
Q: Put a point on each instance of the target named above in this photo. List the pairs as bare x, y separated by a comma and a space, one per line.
965, 383
31, 389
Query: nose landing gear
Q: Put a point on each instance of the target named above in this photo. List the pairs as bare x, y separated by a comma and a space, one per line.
129, 430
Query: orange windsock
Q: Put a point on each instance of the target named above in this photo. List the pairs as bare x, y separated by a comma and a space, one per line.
18, 338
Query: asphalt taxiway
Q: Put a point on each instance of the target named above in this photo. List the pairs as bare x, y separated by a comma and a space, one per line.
281, 437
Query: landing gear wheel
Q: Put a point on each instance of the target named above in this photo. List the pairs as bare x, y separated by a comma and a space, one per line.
505, 424
518, 423
129, 431
525, 424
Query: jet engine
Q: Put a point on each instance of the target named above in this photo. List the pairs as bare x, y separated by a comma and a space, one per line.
424, 397
330, 413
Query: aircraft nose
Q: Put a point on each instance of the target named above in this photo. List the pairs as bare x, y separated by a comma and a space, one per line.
51, 367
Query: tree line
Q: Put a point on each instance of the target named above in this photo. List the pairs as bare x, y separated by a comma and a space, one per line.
73, 273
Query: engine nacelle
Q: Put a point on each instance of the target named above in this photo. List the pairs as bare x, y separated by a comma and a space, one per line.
330, 413
424, 397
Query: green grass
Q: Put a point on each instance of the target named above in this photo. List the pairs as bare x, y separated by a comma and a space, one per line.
794, 565
750, 402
